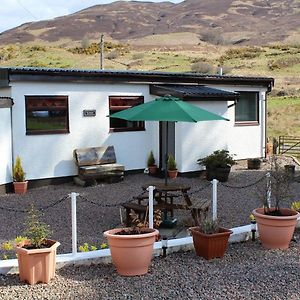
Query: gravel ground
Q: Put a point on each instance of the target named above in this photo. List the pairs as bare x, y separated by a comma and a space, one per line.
247, 271
234, 204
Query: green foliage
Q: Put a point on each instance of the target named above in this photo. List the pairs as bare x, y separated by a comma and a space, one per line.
296, 205
86, 247
7, 248
209, 226
151, 159
172, 166
219, 158
283, 62
18, 172
36, 231
241, 53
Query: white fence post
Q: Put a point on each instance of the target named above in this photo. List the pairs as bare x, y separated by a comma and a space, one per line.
74, 222
150, 191
215, 199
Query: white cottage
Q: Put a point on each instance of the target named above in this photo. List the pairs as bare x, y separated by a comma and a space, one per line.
47, 113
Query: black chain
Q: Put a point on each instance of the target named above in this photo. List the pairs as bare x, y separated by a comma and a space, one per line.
111, 205
244, 186
40, 208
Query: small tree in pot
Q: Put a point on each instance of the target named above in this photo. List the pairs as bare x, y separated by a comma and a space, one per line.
36, 254
20, 185
276, 224
172, 167
218, 165
152, 167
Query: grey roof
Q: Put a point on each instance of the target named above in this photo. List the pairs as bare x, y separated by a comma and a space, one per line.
18, 73
193, 92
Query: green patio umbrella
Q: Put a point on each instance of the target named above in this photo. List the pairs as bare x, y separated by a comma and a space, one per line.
168, 109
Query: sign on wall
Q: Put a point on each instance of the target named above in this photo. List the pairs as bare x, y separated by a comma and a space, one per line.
89, 112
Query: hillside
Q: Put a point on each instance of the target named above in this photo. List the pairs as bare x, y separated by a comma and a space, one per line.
252, 22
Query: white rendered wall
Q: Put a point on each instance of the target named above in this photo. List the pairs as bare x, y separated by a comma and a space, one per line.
5, 142
51, 155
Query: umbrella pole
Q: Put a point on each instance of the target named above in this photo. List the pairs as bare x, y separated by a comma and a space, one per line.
166, 156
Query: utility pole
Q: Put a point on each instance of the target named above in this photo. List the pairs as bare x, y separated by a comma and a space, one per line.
101, 52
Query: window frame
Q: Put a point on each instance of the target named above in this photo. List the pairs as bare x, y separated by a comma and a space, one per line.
48, 97
248, 123
125, 129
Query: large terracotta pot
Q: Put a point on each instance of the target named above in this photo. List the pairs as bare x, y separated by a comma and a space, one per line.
276, 232
37, 265
20, 187
210, 246
131, 254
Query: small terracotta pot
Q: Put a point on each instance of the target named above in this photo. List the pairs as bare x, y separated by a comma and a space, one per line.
37, 265
276, 232
152, 169
131, 254
172, 174
210, 246
20, 187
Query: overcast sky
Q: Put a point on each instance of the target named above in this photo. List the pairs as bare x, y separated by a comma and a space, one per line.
16, 12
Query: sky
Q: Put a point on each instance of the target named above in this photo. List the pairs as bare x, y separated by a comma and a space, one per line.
16, 12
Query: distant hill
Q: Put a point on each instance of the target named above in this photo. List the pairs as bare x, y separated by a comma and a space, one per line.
252, 22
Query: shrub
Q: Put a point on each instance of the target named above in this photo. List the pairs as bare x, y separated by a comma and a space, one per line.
241, 53
151, 159
213, 37
18, 172
219, 158
171, 163
202, 67
113, 55
138, 56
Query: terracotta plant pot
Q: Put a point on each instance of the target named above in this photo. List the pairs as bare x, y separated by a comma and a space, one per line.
152, 169
276, 232
210, 246
172, 174
131, 254
37, 265
20, 187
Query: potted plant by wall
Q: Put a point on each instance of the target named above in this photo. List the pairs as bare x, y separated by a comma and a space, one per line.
218, 165
210, 240
19, 183
152, 167
275, 224
132, 248
253, 163
172, 167
37, 254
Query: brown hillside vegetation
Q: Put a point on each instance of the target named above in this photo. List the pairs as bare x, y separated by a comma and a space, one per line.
252, 22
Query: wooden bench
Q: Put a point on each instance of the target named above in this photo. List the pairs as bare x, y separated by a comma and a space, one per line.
98, 163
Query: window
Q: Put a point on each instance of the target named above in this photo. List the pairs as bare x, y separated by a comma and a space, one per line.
46, 114
118, 103
246, 109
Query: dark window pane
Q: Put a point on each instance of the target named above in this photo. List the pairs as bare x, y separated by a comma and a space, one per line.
46, 114
119, 103
246, 109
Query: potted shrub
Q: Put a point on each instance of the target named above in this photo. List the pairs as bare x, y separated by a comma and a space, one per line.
36, 254
210, 240
132, 247
218, 165
172, 167
152, 167
275, 224
253, 163
19, 183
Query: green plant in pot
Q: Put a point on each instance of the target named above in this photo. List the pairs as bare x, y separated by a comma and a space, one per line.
210, 239
276, 224
172, 167
218, 165
152, 167
36, 254
19, 182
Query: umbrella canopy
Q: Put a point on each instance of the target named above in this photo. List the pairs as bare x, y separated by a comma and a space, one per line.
168, 109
